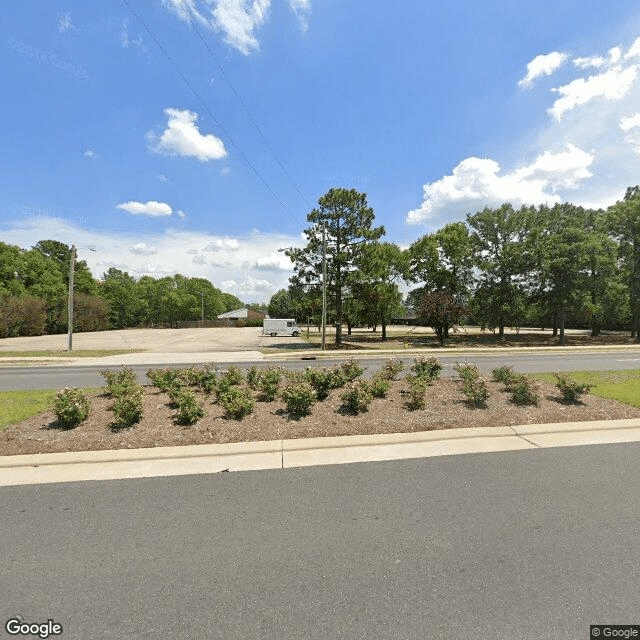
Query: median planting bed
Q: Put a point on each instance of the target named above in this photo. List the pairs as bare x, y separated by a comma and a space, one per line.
205, 406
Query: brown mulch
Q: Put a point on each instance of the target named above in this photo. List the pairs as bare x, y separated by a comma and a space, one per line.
446, 409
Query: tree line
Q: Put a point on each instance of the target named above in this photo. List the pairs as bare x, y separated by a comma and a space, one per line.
34, 286
548, 266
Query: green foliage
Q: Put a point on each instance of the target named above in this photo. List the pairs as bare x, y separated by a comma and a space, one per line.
417, 391
467, 372
71, 406
270, 383
293, 375
391, 368
299, 398
426, 368
233, 375
351, 369
357, 397
119, 382
281, 305
476, 392
571, 390
237, 402
379, 385
165, 378
23, 315
128, 406
253, 377
322, 381
523, 389
441, 312
503, 374
339, 377
189, 409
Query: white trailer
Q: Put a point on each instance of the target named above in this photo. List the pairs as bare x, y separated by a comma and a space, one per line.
280, 327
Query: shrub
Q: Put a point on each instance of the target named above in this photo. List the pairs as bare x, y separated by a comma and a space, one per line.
270, 383
351, 369
379, 385
189, 409
233, 375
357, 397
71, 406
128, 407
237, 402
523, 389
253, 377
391, 368
208, 380
571, 390
503, 374
339, 377
476, 392
321, 380
299, 398
417, 391
467, 372
119, 382
165, 378
192, 376
293, 375
426, 368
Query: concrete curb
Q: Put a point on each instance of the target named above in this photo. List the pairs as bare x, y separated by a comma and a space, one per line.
283, 454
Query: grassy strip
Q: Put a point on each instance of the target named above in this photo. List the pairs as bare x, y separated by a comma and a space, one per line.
16, 406
86, 353
620, 385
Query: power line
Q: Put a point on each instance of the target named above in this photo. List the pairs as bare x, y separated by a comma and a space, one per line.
208, 110
243, 105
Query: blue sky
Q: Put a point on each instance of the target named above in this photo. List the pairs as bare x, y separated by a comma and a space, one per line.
434, 110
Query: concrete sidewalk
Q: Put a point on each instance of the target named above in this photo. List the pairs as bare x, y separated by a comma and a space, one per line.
283, 454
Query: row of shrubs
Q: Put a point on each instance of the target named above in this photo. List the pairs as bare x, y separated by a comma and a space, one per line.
300, 391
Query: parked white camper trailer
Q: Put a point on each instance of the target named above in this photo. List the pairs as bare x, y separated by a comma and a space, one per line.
280, 327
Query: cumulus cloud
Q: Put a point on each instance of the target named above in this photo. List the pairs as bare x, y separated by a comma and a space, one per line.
199, 260
272, 262
479, 182
181, 214
302, 9
543, 65
150, 208
142, 249
183, 138
611, 85
630, 126
223, 243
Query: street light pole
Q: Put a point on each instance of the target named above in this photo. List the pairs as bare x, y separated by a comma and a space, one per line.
72, 267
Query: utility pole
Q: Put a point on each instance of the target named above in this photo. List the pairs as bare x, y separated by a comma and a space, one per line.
324, 287
202, 306
72, 268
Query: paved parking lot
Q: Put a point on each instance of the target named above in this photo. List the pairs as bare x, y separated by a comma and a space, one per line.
154, 340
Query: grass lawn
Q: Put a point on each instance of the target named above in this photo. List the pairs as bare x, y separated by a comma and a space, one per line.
87, 353
623, 386
16, 406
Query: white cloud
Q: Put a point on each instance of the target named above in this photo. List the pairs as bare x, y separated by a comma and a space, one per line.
182, 138
543, 65
65, 23
162, 178
611, 85
302, 9
90, 153
478, 182
631, 127
199, 260
143, 249
125, 40
150, 208
176, 250
231, 244
181, 214
272, 262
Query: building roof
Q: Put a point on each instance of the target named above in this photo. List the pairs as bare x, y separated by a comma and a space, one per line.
237, 313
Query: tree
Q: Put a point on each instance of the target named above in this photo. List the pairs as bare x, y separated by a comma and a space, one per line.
281, 305
60, 254
623, 219
502, 255
440, 311
347, 219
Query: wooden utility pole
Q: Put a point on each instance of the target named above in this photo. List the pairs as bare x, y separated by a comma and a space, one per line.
72, 268
324, 287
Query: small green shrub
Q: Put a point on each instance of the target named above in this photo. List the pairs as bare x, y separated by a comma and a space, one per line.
270, 383
339, 377
192, 376
467, 372
503, 374
299, 398
128, 408
237, 402
164, 378
357, 397
351, 369
321, 380
391, 368
417, 391
524, 390
208, 381
253, 377
427, 368
189, 409
233, 375
379, 385
71, 406
119, 382
570, 389
293, 375
476, 392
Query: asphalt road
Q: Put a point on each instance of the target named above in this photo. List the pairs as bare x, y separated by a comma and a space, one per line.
58, 377
519, 545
